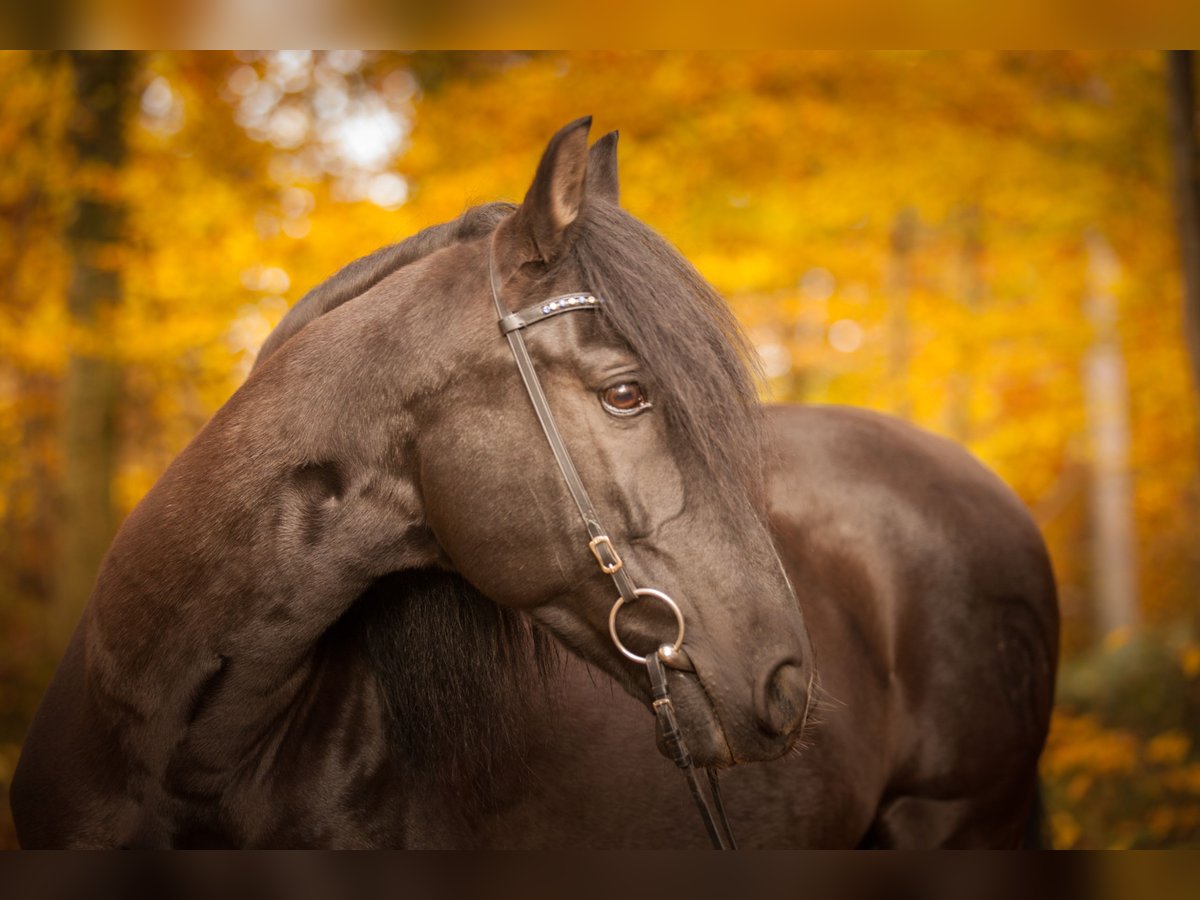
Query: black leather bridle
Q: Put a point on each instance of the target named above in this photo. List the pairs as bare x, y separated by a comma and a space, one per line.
600, 544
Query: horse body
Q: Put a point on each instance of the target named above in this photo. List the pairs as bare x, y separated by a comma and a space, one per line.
327, 624
932, 611
931, 602
916, 576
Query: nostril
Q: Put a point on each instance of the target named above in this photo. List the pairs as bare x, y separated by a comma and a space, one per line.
782, 698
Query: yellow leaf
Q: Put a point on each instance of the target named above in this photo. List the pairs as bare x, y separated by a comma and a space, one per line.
1189, 660
1168, 748
1064, 830
1117, 638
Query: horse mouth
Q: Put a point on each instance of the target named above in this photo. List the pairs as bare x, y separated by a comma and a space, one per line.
710, 736
703, 732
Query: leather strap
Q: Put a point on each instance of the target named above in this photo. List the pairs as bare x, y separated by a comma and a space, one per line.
511, 325
541, 311
716, 823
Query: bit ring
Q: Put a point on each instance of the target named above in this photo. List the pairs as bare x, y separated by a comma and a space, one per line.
658, 595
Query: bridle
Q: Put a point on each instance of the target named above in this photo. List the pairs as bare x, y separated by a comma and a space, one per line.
601, 546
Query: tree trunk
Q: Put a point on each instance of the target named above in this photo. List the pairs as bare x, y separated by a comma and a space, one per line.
102, 85
903, 240
971, 289
1184, 151
1106, 389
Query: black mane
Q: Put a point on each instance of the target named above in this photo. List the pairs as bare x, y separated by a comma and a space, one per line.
699, 361
672, 319
457, 674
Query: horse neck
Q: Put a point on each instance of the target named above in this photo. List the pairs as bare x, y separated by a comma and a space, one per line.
260, 535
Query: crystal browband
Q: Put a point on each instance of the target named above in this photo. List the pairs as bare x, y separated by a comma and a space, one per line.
548, 308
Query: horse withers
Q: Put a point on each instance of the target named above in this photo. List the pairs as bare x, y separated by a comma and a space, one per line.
360, 608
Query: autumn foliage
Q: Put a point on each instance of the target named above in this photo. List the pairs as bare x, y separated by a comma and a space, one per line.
963, 239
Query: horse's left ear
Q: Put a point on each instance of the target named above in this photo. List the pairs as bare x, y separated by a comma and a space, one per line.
602, 169
537, 230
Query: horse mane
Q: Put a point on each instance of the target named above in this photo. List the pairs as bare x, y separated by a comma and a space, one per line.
697, 356
699, 362
458, 677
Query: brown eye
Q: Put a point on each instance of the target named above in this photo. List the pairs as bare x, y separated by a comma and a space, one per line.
624, 399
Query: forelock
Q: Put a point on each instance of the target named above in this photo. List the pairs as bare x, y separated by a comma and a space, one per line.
692, 348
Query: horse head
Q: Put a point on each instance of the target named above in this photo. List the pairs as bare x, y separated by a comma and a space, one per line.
654, 403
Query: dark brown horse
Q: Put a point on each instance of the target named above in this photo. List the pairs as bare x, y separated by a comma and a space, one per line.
339, 618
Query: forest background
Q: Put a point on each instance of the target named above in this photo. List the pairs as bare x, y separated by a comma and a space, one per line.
988, 244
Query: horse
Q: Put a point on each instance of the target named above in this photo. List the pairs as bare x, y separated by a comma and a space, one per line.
360, 609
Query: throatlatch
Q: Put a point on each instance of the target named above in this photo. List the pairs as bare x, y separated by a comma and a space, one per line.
606, 555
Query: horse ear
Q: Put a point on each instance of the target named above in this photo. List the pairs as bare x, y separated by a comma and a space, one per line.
602, 169
554, 199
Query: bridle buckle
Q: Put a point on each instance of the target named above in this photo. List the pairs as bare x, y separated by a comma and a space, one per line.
613, 564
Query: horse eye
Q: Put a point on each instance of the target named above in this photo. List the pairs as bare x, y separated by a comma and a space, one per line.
624, 399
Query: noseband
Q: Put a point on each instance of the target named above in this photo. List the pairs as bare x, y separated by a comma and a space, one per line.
605, 553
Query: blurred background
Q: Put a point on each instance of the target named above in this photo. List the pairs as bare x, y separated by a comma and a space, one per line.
987, 244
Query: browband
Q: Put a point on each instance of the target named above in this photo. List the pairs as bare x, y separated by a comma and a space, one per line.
545, 310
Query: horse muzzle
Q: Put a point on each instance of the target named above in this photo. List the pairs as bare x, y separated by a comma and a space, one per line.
724, 725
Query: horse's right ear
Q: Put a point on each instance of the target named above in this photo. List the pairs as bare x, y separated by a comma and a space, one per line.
538, 230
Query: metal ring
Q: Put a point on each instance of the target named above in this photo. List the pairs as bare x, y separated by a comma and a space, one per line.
658, 595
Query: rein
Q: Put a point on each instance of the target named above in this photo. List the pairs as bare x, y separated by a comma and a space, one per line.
601, 546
